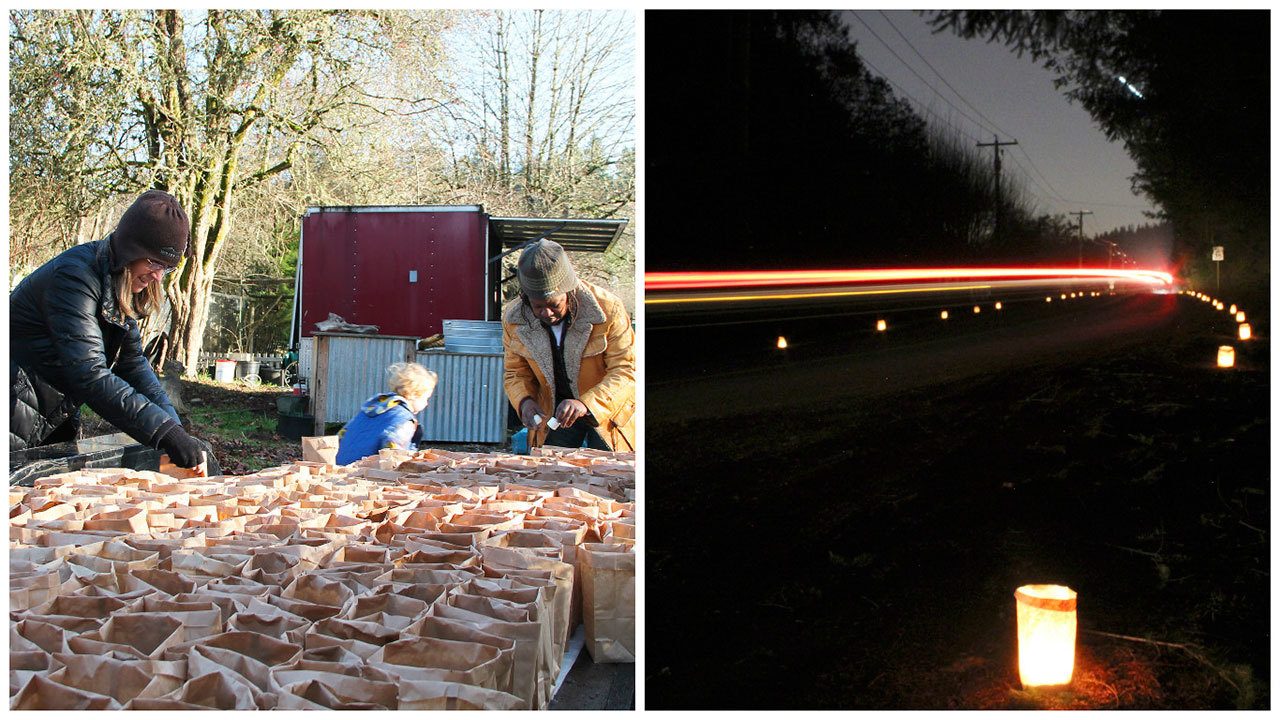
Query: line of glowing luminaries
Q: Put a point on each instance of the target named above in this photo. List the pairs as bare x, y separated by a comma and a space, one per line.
1244, 331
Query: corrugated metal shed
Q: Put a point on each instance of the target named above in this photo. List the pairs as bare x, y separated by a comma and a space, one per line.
469, 404
473, 336
576, 234
349, 369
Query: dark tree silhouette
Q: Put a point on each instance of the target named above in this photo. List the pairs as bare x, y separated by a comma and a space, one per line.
1192, 108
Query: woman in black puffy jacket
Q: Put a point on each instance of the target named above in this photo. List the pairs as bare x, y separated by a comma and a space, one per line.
74, 335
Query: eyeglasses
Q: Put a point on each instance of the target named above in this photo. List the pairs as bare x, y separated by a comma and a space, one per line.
156, 266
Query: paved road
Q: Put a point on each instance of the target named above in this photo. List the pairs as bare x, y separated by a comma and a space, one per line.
858, 366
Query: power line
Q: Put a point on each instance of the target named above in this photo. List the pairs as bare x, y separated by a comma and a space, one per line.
940, 77
1048, 187
918, 76
1052, 189
1049, 196
911, 97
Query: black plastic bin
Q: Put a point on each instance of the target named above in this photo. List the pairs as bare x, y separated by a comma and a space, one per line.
295, 427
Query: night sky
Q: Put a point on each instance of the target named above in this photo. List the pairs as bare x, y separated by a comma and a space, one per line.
1077, 161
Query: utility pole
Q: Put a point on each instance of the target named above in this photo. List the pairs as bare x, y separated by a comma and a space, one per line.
1081, 214
995, 145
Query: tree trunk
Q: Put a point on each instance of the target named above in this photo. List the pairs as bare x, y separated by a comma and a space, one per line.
535, 52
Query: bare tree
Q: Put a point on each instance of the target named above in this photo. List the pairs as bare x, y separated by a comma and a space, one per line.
126, 100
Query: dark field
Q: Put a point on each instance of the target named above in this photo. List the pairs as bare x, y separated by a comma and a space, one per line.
849, 533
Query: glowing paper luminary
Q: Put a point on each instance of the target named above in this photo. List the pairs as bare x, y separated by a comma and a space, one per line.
881, 325
1048, 299
1226, 356
782, 343
999, 306
1064, 296
1240, 316
976, 309
1246, 331
1046, 634
945, 314
1232, 309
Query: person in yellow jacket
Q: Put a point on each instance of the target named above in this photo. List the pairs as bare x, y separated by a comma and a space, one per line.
569, 356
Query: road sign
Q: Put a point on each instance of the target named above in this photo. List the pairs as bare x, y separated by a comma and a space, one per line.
1217, 253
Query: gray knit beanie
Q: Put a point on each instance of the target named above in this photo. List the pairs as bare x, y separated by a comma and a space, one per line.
544, 270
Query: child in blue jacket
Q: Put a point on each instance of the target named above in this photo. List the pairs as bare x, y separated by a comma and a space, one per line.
389, 420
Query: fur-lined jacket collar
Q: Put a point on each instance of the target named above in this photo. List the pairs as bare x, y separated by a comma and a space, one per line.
531, 332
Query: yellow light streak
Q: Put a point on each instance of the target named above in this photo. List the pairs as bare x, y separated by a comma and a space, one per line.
801, 296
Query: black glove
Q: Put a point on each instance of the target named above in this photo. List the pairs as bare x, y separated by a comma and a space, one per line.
184, 450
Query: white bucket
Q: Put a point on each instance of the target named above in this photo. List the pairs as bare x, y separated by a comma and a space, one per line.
225, 371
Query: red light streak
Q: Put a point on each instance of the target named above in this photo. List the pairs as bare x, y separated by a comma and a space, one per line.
779, 278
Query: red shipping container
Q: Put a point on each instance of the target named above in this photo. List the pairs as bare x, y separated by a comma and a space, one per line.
402, 268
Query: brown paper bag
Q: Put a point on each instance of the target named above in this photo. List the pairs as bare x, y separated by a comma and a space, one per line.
609, 601
48, 637
98, 608
317, 695
348, 684
30, 589
165, 581
122, 681
429, 695
530, 674
362, 638
417, 552
320, 449
282, 626
424, 658
317, 590
446, 629
117, 584
199, 620
202, 569
219, 690
335, 654
43, 694
265, 650
202, 659
69, 624
25, 664
142, 636
386, 603
308, 610
565, 600
140, 703
429, 576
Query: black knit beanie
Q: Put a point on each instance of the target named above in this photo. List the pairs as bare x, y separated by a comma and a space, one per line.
155, 226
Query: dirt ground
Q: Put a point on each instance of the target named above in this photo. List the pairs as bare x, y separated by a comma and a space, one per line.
864, 555
240, 422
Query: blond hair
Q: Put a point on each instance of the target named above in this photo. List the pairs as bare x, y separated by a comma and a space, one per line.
143, 302
411, 380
